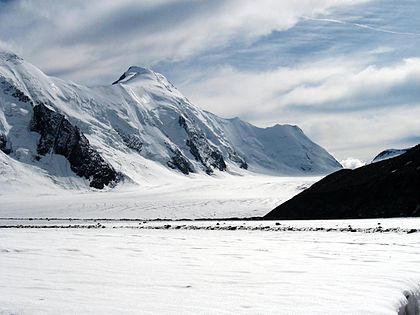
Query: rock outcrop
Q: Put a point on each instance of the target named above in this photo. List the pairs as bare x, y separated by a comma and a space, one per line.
59, 136
3, 144
209, 156
180, 162
131, 140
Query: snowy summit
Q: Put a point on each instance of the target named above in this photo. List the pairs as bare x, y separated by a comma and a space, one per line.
140, 126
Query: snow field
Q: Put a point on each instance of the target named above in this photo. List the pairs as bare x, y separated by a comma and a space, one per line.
126, 271
174, 197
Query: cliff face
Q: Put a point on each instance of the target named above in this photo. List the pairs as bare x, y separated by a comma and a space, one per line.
389, 188
59, 136
200, 148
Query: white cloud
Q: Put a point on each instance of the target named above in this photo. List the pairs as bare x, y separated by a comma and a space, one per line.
349, 107
346, 83
333, 84
352, 163
349, 104
7, 47
69, 37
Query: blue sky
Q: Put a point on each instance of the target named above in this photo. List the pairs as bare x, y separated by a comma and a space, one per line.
346, 72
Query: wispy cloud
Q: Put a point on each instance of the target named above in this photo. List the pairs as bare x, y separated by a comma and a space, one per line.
363, 26
64, 38
347, 105
347, 72
329, 85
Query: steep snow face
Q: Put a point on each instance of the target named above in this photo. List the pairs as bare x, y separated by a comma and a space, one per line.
388, 154
281, 147
142, 119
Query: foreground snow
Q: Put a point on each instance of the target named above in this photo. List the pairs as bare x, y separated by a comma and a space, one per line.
174, 197
130, 271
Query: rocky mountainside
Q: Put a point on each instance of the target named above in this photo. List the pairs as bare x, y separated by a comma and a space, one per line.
137, 127
389, 188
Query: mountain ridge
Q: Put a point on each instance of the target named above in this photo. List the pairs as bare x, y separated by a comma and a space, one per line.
388, 153
139, 118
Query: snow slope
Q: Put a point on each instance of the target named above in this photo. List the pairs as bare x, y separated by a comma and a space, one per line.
139, 125
388, 154
129, 271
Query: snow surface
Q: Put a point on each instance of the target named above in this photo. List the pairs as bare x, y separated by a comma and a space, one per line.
388, 154
173, 196
128, 267
129, 271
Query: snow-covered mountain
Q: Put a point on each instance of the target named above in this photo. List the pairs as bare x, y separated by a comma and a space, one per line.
388, 154
140, 126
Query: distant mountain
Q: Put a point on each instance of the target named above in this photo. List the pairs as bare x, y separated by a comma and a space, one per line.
389, 188
387, 154
140, 126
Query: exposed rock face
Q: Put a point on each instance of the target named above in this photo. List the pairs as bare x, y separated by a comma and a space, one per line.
389, 188
61, 137
122, 77
132, 141
238, 160
3, 144
10, 89
180, 162
209, 156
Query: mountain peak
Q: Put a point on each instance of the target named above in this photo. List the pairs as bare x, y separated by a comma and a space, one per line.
389, 153
135, 72
9, 56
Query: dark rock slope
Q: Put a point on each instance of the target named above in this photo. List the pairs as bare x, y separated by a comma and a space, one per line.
3, 144
389, 188
209, 156
61, 137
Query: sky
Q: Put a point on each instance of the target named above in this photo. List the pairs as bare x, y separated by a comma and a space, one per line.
347, 72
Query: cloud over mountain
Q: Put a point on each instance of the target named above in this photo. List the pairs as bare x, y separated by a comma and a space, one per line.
347, 72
